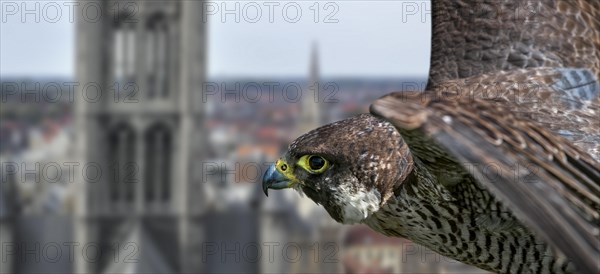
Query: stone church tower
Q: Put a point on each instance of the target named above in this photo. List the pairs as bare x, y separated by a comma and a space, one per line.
140, 68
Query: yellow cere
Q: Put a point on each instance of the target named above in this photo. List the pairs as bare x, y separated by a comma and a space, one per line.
304, 162
286, 170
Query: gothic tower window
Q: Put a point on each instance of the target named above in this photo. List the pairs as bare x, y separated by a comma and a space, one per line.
123, 48
157, 51
158, 164
122, 167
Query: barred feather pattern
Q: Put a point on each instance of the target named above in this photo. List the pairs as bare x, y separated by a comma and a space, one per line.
465, 223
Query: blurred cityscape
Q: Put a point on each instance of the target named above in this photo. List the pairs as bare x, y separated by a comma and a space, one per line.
141, 164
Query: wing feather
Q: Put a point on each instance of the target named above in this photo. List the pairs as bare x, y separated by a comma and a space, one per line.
473, 37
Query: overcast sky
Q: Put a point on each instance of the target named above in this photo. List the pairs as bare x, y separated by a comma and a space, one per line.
267, 39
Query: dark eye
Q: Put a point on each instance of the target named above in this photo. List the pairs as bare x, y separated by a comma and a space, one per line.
313, 163
316, 162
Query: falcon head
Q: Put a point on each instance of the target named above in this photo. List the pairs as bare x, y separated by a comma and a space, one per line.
350, 167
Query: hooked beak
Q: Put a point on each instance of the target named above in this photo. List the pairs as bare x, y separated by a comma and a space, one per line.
275, 180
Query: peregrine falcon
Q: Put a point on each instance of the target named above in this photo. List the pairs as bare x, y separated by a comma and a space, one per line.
497, 163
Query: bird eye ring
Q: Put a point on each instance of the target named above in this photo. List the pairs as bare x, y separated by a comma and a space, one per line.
313, 163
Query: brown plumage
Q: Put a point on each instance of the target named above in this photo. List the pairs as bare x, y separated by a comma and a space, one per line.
474, 37
497, 164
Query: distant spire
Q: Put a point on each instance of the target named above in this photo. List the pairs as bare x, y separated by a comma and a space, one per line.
314, 64
310, 112
316, 84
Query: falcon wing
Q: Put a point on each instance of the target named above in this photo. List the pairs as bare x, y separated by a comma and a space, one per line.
519, 150
474, 37
564, 100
